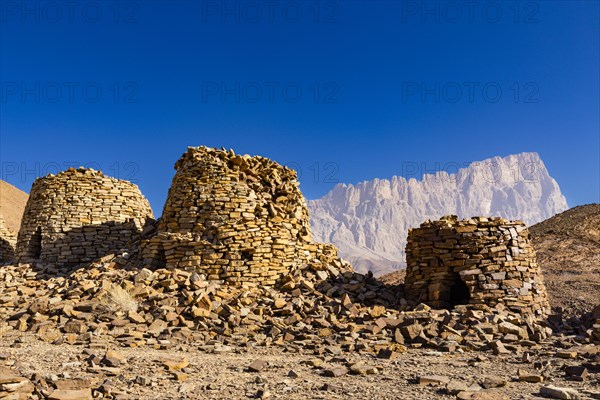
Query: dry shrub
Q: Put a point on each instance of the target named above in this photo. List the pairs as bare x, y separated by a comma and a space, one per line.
119, 299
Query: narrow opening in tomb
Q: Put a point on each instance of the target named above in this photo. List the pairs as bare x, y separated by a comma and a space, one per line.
246, 255
35, 244
459, 292
160, 259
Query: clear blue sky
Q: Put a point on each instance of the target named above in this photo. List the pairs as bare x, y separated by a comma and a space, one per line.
351, 89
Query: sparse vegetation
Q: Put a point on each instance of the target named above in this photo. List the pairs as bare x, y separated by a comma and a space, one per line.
119, 299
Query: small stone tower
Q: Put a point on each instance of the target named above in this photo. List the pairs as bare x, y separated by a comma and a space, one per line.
476, 261
8, 240
80, 215
235, 219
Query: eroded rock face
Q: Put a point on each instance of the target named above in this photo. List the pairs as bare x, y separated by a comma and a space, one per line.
369, 221
481, 260
78, 216
236, 219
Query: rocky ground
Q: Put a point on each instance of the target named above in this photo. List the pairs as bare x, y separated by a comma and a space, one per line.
107, 331
113, 330
219, 371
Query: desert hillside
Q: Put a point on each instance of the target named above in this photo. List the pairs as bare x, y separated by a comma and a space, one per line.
568, 251
12, 204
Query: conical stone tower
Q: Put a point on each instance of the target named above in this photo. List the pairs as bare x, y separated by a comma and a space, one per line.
235, 219
481, 260
8, 240
78, 216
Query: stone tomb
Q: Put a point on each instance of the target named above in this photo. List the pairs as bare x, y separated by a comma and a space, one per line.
234, 219
8, 241
481, 260
80, 215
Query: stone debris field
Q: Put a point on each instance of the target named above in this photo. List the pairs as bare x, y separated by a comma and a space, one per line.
227, 296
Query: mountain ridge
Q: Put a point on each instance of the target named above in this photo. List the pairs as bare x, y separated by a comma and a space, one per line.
369, 220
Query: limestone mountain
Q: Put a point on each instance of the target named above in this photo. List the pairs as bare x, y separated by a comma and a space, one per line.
369, 221
12, 205
568, 252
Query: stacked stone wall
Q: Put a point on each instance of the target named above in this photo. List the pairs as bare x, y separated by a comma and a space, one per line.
78, 216
8, 241
476, 261
236, 219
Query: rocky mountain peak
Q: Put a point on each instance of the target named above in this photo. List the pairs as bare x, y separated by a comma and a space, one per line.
369, 221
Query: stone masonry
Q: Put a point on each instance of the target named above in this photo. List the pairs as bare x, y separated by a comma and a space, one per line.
476, 261
78, 216
8, 241
235, 219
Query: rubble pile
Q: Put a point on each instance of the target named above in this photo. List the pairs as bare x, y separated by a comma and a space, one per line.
312, 308
475, 261
15, 386
79, 216
585, 325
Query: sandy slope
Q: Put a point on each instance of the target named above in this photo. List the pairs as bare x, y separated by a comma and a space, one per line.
12, 205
